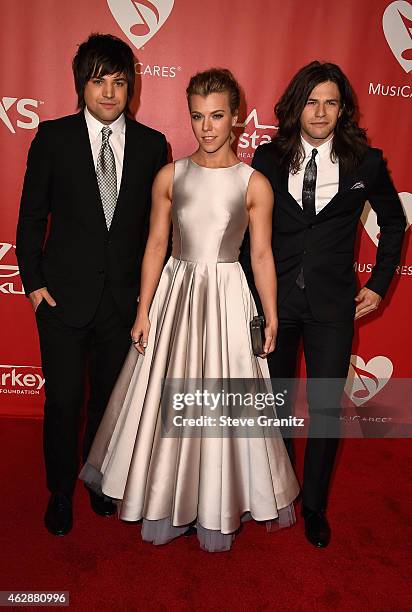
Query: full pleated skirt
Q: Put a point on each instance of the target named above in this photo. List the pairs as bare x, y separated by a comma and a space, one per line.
199, 329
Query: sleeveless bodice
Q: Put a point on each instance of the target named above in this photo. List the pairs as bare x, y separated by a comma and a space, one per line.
209, 211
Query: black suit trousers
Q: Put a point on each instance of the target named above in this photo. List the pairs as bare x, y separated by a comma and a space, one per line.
69, 355
327, 350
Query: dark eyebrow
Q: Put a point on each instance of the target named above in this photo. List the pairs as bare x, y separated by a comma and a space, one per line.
118, 78
328, 100
211, 112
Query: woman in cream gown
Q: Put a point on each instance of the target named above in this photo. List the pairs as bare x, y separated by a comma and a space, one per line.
193, 323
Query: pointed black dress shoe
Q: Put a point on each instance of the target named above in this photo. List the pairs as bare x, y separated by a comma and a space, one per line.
59, 514
101, 505
317, 529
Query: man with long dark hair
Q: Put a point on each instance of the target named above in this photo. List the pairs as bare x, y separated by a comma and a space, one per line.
322, 171
90, 175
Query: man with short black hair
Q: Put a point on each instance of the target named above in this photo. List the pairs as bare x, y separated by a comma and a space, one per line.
90, 174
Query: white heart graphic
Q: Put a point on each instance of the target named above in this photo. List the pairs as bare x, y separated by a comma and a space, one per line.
140, 20
397, 27
370, 222
366, 380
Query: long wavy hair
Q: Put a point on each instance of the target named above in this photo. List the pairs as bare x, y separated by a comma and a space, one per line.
349, 142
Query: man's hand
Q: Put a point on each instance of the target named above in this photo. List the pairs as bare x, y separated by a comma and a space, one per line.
366, 301
41, 294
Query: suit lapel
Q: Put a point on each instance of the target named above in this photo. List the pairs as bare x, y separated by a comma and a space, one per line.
346, 180
283, 182
86, 171
133, 162
283, 179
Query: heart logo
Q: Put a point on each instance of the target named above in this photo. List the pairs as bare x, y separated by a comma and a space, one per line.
397, 27
366, 380
141, 20
370, 222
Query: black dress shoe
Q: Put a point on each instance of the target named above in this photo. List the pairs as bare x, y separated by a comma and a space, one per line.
101, 505
317, 528
59, 515
191, 531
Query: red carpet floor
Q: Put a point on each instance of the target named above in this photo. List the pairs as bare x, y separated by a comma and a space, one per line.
105, 566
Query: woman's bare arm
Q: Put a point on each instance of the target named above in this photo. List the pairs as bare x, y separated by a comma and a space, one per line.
155, 252
260, 207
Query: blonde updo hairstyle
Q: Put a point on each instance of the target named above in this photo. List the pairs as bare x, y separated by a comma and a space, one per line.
215, 80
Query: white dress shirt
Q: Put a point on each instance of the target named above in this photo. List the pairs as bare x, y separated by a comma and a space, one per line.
116, 140
327, 179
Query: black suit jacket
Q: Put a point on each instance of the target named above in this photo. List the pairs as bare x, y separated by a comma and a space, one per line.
79, 254
324, 243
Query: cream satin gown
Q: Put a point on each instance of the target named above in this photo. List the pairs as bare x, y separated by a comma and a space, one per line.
199, 329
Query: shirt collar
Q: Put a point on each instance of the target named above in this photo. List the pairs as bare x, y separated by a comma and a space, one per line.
324, 149
95, 126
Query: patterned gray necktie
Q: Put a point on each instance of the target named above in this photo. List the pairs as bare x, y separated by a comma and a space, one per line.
106, 176
308, 199
309, 185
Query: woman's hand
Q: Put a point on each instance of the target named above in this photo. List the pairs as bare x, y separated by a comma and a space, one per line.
271, 331
140, 333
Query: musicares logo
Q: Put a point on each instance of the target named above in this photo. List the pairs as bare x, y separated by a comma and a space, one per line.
141, 20
370, 221
366, 379
397, 27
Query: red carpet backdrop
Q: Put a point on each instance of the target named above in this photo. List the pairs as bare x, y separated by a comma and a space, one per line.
263, 42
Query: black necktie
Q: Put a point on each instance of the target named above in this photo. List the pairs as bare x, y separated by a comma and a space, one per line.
308, 200
309, 185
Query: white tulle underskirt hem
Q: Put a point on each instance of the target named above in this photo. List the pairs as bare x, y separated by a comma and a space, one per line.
162, 531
